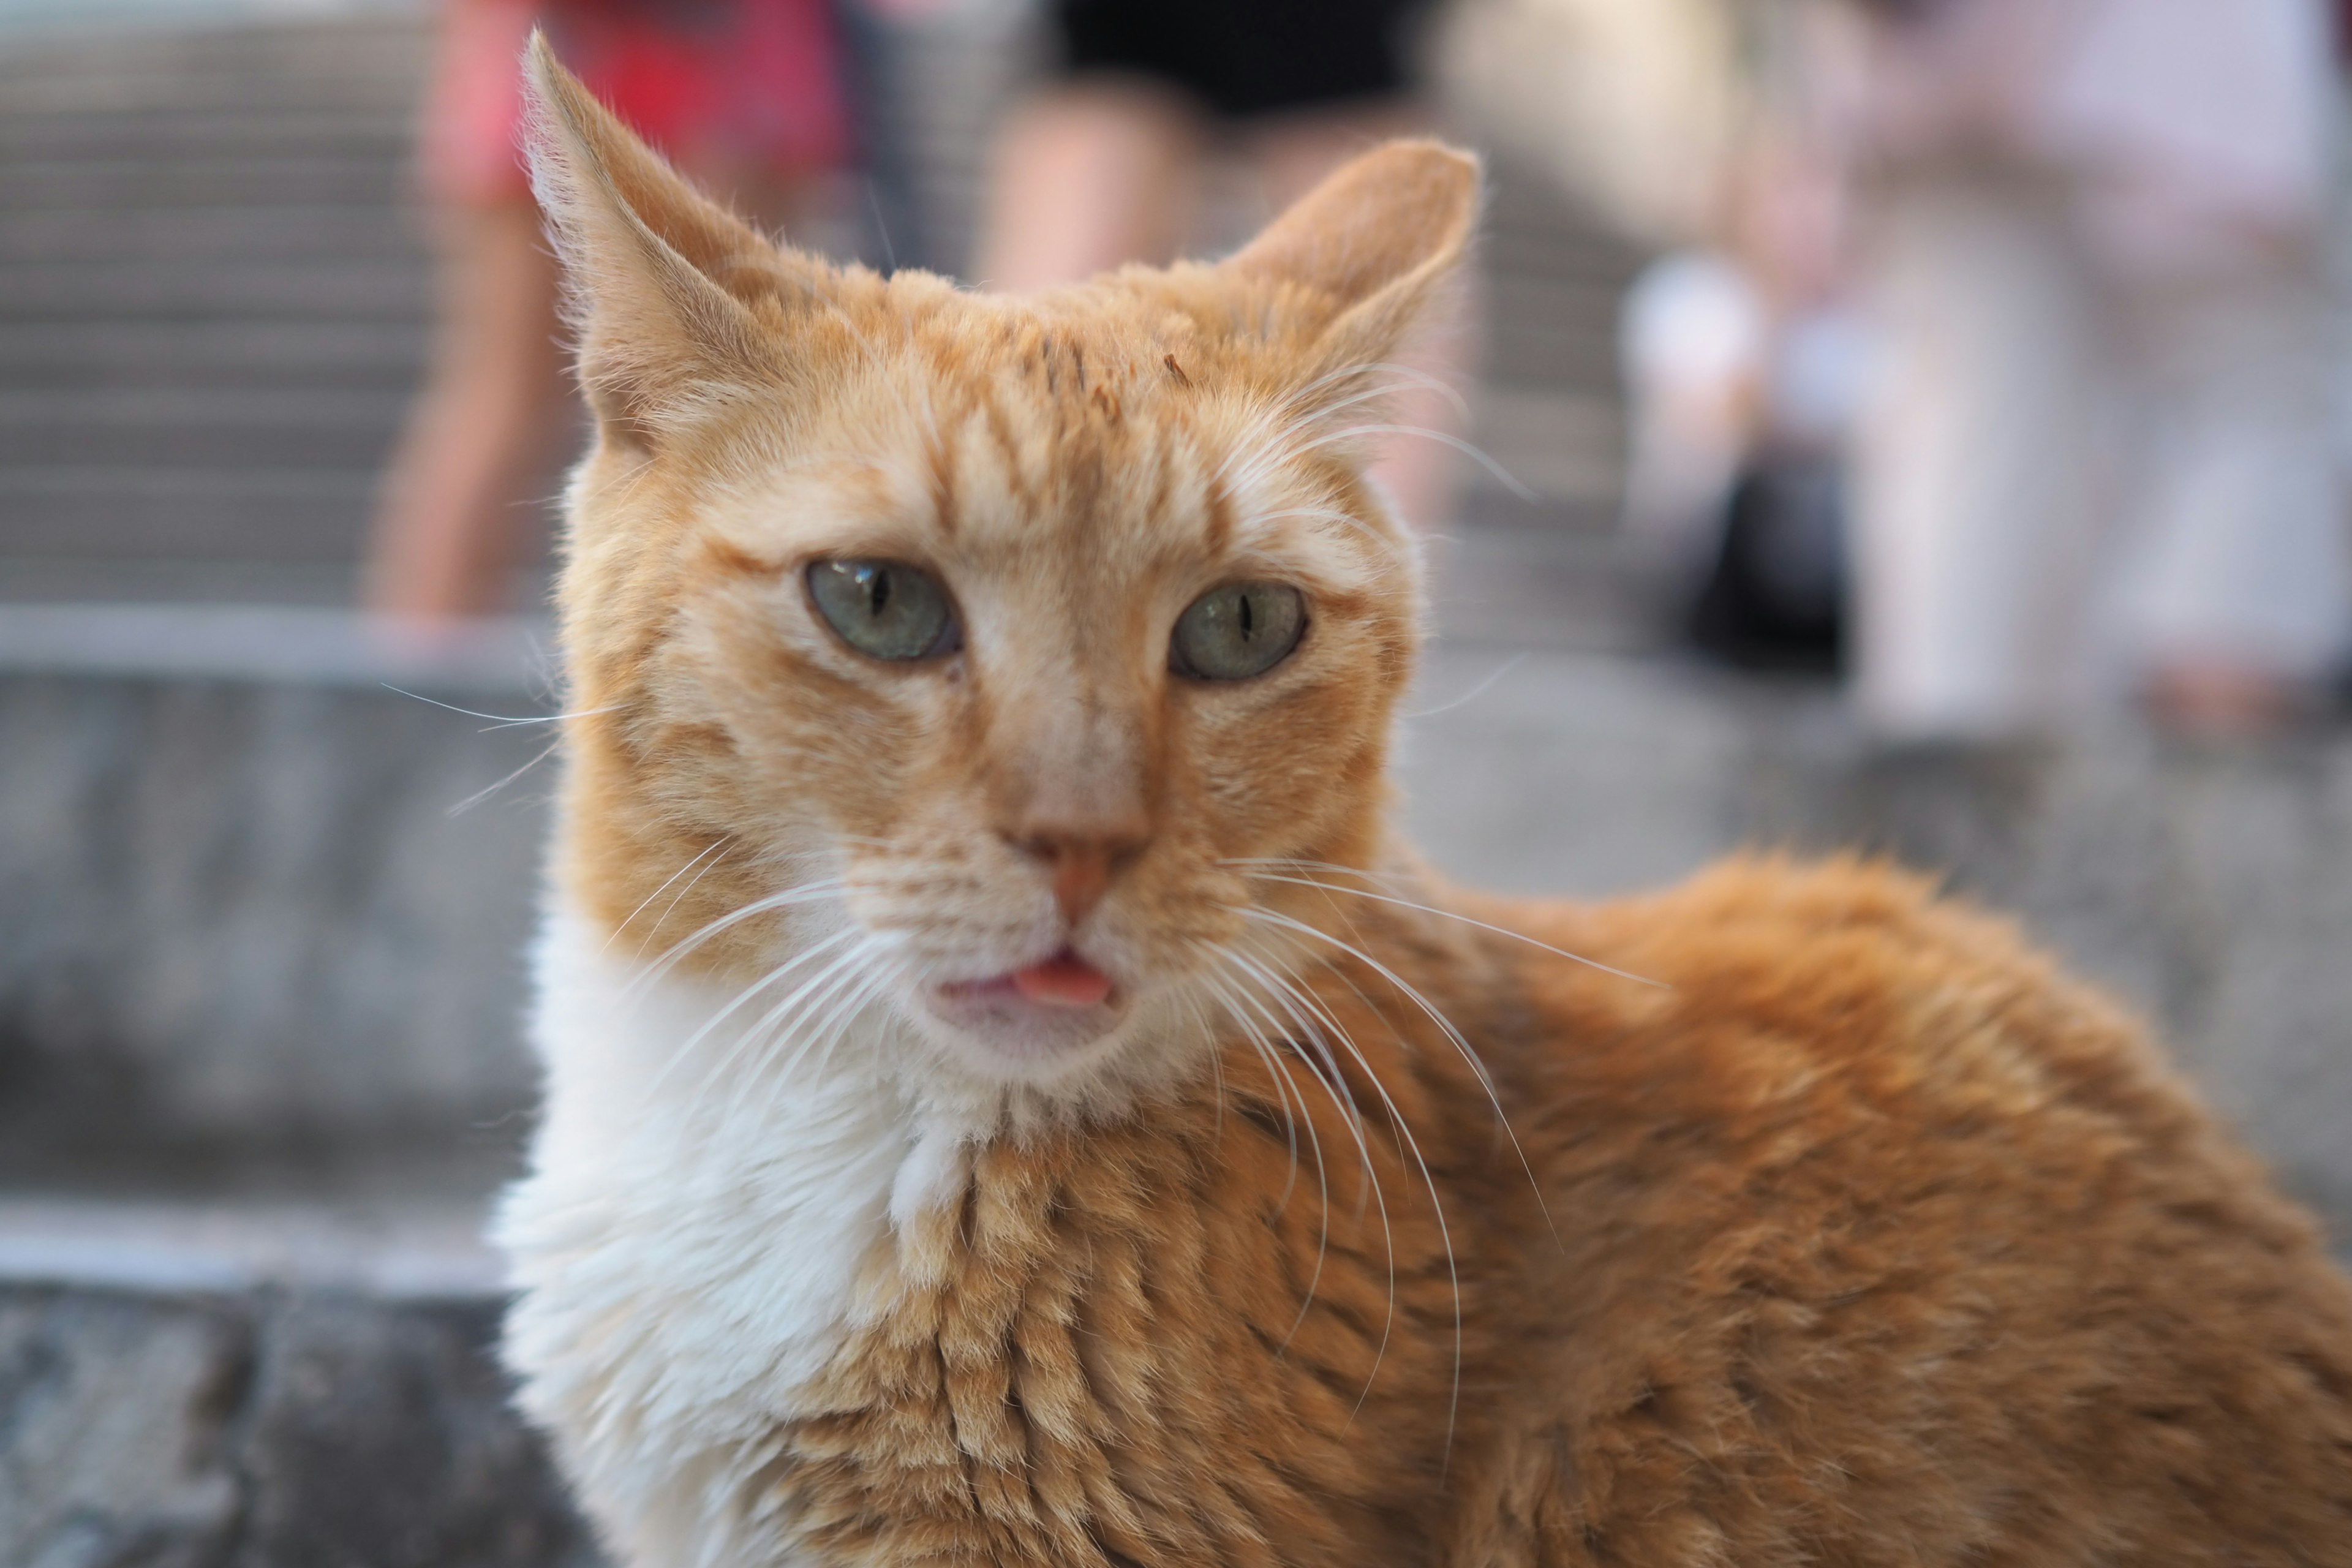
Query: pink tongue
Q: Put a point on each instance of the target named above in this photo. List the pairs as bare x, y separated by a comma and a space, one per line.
1064, 980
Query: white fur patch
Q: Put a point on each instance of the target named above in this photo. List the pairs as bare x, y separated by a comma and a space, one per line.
687, 1244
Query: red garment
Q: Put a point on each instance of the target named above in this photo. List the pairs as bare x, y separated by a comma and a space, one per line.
712, 83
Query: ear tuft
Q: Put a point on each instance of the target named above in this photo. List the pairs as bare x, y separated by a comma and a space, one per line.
657, 274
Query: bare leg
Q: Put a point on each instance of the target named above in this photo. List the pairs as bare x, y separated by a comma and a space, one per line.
1087, 178
453, 515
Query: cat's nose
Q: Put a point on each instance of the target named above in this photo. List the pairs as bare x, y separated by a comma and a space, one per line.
1082, 864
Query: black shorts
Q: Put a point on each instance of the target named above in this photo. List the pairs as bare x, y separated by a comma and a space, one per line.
1241, 57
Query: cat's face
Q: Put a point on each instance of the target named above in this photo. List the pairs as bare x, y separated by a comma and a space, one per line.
1005, 641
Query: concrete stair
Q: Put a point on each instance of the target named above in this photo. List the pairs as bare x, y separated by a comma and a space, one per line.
212, 304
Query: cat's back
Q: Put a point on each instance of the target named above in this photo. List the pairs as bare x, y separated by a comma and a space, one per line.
1876, 1231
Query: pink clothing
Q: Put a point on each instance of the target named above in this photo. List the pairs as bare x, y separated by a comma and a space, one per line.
753, 83
2192, 125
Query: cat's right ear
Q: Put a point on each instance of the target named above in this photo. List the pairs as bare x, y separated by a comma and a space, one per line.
658, 277
1362, 259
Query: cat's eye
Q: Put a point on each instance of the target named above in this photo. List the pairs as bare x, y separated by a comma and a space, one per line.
885, 609
1237, 631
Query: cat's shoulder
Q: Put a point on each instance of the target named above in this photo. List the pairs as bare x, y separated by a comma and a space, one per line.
1841, 991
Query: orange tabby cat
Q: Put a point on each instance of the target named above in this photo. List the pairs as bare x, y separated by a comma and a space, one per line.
1012, 1099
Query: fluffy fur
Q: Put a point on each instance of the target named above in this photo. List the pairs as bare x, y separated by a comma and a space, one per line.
1361, 1225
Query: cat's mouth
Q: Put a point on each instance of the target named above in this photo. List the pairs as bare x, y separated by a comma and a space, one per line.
1064, 980
1034, 1014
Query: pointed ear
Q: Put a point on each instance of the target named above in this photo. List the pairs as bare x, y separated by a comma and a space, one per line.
659, 280
1361, 259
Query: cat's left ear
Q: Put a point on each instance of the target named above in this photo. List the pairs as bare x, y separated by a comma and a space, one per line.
664, 283
1362, 259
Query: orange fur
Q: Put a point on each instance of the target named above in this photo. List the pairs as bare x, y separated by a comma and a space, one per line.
1860, 1236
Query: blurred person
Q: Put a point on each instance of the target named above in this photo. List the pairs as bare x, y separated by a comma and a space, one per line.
745, 95
1107, 164
1742, 360
2097, 457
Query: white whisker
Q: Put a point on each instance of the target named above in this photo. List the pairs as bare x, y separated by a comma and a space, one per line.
1429, 1181
498, 721
480, 796
1335, 1086
1508, 480
808, 892
1323, 1242
1431, 910
686, 1047
649, 898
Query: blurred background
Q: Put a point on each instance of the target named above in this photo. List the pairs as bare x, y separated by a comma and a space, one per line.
1918, 426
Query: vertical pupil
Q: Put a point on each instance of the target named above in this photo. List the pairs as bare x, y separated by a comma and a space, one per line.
1249, 623
877, 592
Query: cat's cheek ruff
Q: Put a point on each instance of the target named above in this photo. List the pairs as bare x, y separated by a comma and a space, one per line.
687, 1256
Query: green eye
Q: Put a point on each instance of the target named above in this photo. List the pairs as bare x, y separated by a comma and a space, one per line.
1237, 631
885, 610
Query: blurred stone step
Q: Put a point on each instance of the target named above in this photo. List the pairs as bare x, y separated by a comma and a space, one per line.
245, 901
347, 62
364, 231
260, 354
285, 176
352, 291
120, 512
197, 429
165, 580
1567, 444
266, 1428
248, 129
1538, 332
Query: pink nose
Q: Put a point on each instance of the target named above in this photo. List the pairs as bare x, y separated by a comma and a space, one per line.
1083, 866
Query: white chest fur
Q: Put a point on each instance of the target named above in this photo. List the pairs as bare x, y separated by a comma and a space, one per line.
687, 1248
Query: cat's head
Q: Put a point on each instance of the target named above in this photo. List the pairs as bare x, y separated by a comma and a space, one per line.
994, 648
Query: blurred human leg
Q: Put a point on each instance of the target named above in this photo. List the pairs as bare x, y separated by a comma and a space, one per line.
1090, 175
2239, 601
455, 509
1978, 469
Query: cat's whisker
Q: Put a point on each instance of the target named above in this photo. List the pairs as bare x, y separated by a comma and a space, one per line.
819, 989
873, 981
1461, 1042
1504, 476
1494, 678
1335, 1086
1402, 373
1396, 1119
716, 844
790, 897
498, 721
680, 897
480, 796
1389, 389
1430, 910
1269, 964
864, 984
1323, 1244
1216, 1060
1258, 1043
1334, 514
772, 977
